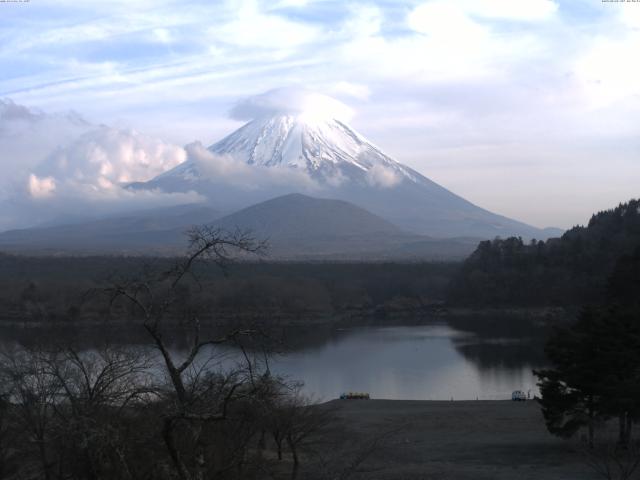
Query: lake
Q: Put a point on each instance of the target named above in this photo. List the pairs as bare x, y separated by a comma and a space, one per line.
427, 362
431, 362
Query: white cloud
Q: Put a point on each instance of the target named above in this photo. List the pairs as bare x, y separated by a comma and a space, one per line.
97, 22
223, 169
107, 158
10, 112
606, 71
41, 187
448, 44
56, 166
440, 15
27, 136
528, 10
162, 35
382, 177
351, 89
253, 28
629, 14
364, 21
446, 20
291, 3
291, 100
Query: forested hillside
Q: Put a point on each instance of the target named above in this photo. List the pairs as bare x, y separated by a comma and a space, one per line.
569, 270
49, 290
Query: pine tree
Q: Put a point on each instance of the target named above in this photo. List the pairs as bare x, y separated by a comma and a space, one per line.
571, 390
596, 362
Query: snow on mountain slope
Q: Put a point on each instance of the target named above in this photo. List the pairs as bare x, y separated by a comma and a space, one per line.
298, 152
327, 150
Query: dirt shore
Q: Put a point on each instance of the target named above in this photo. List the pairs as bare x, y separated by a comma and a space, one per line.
477, 440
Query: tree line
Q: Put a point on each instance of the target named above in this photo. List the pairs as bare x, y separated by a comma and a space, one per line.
568, 271
50, 291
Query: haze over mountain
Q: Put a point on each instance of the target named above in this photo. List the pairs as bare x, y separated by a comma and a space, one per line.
155, 231
298, 226
294, 226
313, 152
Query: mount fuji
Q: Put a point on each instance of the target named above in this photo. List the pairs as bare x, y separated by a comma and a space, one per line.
320, 156
328, 151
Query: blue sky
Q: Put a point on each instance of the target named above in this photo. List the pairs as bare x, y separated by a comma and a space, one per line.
529, 108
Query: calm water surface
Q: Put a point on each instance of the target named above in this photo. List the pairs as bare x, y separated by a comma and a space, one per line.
433, 362
418, 362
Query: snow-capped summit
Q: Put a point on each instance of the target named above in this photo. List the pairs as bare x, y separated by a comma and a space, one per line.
305, 131
325, 148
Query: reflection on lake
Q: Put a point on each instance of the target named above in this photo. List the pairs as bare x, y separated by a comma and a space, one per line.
417, 362
414, 362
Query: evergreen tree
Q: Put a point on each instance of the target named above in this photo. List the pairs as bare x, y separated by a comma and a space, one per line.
596, 362
571, 390
568, 271
622, 351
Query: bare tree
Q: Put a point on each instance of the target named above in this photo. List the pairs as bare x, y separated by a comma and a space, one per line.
195, 400
97, 387
33, 393
301, 422
612, 461
7, 440
66, 410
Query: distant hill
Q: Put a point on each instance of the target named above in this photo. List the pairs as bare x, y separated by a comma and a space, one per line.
569, 270
298, 216
299, 226
296, 227
153, 231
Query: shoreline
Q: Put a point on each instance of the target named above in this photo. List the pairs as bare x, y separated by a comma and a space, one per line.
351, 317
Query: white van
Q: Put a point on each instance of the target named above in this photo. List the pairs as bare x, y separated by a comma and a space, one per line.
518, 396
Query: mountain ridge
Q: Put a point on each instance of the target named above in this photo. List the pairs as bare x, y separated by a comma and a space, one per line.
342, 164
295, 226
